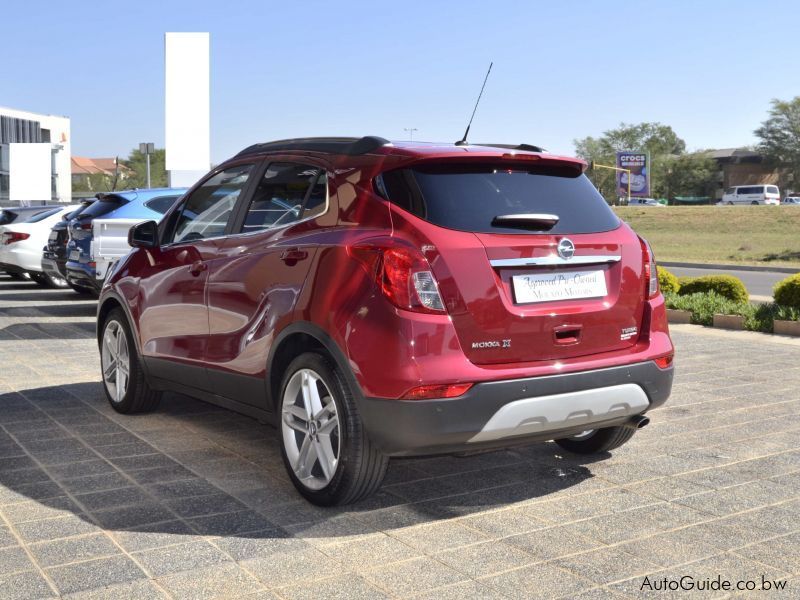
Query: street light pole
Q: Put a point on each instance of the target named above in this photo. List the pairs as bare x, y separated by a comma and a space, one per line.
147, 149
410, 131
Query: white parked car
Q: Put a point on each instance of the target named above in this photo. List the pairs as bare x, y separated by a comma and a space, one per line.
752, 194
21, 246
791, 201
645, 202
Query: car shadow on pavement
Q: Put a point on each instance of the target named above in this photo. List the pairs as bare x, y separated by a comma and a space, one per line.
50, 310
70, 465
42, 331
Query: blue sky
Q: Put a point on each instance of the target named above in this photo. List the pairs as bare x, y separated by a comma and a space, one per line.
562, 70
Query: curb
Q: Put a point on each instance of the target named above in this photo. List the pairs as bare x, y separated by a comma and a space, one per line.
721, 267
733, 323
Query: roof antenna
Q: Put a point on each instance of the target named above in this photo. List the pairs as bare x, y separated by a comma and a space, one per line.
463, 141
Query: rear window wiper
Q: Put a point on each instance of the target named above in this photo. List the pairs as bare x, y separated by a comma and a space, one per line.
540, 222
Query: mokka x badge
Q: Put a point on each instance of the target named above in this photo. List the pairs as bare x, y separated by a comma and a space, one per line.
566, 248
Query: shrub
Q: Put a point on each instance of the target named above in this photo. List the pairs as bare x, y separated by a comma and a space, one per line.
727, 286
787, 292
667, 281
704, 305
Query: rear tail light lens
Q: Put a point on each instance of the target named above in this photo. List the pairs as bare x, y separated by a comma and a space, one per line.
9, 237
664, 362
650, 270
427, 392
86, 226
403, 275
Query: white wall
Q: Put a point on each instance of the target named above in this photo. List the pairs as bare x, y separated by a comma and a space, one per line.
29, 172
186, 102
60, 137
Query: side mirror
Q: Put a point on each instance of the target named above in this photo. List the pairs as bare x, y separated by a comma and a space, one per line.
143, 235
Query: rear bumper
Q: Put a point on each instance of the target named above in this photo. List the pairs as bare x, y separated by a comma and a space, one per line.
504, 413
53, 266
83, 276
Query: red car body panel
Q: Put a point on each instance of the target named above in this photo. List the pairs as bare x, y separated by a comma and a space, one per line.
222, 319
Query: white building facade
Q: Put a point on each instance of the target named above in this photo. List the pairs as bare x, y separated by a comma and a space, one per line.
35, 154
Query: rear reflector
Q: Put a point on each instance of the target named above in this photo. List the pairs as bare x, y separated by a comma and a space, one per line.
425, 392
664, 362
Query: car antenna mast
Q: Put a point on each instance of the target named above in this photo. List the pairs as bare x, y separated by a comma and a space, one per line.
463, 141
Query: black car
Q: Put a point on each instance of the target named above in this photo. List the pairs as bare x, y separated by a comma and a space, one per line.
54, 255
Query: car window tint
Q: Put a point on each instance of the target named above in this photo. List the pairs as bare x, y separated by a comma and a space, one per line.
772, 189
161, 204
282, 194
208, 209
42, 215
468, 197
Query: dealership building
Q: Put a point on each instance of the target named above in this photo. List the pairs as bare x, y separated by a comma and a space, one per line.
35, 153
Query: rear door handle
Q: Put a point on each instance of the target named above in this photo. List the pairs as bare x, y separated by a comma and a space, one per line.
292, 255
198, 267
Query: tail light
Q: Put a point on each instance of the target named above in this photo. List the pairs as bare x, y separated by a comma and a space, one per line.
426, 392
87, 226
9, 237
650, 271
403, 275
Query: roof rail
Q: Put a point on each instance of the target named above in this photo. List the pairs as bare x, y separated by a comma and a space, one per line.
349, 146
523, 147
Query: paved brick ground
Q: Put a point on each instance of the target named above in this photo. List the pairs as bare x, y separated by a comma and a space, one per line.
192, 501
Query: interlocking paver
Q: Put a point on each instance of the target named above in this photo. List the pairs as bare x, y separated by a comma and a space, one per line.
192, 500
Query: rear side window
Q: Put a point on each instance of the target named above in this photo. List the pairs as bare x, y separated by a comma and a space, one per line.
286, 193
102, 207
469, 198
161, 204
42, 215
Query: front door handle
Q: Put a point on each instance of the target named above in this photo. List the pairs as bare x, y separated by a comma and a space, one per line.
198, 267
291, 256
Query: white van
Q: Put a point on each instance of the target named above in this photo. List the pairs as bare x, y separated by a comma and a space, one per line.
752, 194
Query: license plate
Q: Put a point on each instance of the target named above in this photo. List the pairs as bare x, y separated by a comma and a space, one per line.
74, 254
547, 287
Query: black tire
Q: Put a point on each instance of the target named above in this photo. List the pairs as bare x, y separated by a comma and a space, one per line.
138, 396
601, 440
754, 203
361, 467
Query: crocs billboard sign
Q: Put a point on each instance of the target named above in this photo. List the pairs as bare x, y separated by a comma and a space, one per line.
636, 167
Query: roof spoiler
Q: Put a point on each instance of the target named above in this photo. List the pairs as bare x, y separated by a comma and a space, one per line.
521, 147
347, 146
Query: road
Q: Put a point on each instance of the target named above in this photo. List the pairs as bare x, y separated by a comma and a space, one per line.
758, 283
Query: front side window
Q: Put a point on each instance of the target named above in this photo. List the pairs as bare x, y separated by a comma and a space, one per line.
286, 193
206, 212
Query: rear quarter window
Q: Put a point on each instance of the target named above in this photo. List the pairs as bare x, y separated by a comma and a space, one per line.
468, 198
161, 204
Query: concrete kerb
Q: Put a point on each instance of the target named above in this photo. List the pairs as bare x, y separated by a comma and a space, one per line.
721, 267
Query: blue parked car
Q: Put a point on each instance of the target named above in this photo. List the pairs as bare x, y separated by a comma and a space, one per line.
142, 204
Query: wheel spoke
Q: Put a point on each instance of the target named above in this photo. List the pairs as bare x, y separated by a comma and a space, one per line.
314, 399
118, 386
110, 368
328, 426
290, 422
307, 459
305, 392
327, 461
297, 412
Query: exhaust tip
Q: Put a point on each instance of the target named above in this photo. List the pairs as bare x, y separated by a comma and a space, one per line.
638, 422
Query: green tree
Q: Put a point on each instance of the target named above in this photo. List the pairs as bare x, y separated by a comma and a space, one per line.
684, 175
137, 162
780, 135
657, 139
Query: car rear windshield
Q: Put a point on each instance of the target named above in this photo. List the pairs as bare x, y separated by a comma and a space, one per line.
469, 198
42, 215
102, 207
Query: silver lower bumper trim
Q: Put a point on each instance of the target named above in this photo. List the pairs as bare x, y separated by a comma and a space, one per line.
562, 411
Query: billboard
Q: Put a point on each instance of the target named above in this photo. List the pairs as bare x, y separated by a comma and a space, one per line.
637, 166
30, 168
187, 117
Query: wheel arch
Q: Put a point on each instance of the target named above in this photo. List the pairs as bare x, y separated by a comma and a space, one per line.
297, 338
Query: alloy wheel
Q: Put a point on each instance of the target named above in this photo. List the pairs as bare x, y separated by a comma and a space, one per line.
310, 428
115, 361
